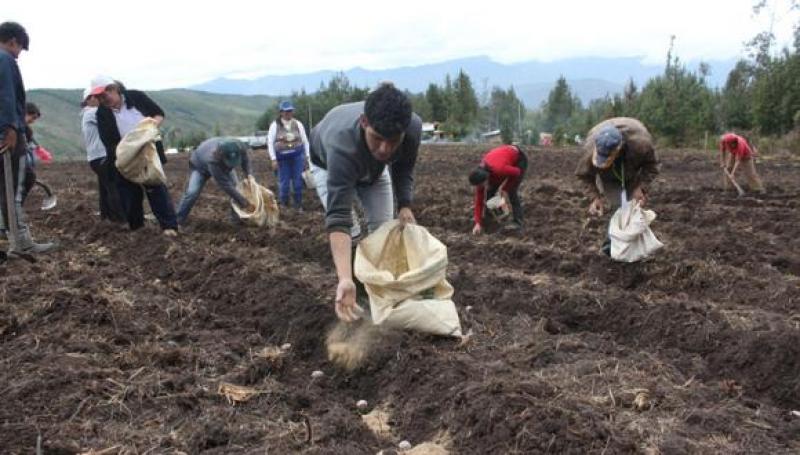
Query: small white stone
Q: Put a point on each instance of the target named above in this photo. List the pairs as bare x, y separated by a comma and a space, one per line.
796, 413
286, 346
404, 445
468, 308
362, 404
316, 374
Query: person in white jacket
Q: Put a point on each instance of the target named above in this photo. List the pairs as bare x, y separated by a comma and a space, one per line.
288, 148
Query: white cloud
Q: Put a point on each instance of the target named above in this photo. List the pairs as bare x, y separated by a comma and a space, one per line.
159, 44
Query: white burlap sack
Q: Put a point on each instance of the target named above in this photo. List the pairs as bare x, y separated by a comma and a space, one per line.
630, 234
308, 179
403, 270
266, 207
137, 157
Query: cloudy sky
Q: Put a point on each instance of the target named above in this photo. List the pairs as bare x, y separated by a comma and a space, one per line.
163, 44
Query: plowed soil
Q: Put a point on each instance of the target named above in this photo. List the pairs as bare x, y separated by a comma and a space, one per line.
120, 340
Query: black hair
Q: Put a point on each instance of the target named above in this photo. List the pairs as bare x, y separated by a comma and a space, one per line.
11, 30
478, 175
32, 109
388, 110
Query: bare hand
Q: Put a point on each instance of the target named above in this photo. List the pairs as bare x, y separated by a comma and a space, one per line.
596, 207
406, 216
9, 139
477, 229
346, 308
639, 195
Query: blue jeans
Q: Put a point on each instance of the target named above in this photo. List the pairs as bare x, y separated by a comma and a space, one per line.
132, 196
290, 173
194, 186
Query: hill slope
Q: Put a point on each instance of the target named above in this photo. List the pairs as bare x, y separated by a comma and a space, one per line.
187, 111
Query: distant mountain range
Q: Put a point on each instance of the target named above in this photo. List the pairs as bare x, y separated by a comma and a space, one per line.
589, 78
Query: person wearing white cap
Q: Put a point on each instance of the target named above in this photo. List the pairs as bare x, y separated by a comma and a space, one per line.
110, 204
618, 164
120, 111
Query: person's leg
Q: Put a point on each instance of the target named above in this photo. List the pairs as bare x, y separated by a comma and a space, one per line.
194, 186
753, 180
378, 201
284, 178
516, 206
613, 194
99, 171
161, 204
321, 186
116, 207
132, 197
298, 164
27, 181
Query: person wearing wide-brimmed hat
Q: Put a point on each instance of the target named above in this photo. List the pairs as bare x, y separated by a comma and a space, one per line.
618, 165
288, 147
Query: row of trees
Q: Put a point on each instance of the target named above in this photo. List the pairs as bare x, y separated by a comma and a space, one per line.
761, 97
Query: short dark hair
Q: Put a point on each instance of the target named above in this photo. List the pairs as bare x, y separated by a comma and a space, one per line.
478, 175
388, 110
11, 30
32, 109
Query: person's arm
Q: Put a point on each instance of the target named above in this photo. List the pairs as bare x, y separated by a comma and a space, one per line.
402, 173
306, 144
480, 196
146, 105
9, 119
649, 170
271, 140
222, 176
587, 174
246, 164
345, 302
91, 136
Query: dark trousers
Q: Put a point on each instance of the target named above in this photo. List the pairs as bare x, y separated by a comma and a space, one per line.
290, 174
132, 196
110, 204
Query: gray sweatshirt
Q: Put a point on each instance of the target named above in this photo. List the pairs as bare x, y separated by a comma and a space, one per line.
91, 136
338, 145
208, 162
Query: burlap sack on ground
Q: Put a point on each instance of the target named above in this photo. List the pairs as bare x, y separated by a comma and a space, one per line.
403, 270
266, 212
137, 157
630, 234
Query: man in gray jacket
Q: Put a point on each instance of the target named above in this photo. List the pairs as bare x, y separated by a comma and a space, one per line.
216, 157
366, 149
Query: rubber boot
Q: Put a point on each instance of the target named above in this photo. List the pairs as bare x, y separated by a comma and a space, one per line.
25, 244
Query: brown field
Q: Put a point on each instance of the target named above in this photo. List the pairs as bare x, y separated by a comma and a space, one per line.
121, 340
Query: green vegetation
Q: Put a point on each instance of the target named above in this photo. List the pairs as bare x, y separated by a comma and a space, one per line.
191, 117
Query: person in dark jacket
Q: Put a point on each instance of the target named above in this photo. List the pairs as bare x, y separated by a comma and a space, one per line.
354, 149
13, 40
618, 165
504, 167
216, 157
119, 113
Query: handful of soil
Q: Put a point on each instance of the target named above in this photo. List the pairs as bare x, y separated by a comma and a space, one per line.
349, 344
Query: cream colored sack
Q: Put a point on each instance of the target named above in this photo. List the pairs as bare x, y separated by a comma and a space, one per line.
308, 179
137, 157
266, 212
403, 271
630, 234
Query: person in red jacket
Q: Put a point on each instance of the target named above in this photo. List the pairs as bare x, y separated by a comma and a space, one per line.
740, 154
502, 166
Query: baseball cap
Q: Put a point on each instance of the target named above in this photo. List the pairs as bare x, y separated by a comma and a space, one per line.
286, 106
606, 142
99, 84
231, 150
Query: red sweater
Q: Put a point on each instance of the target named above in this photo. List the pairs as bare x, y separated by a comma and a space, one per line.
501, 163
742, 149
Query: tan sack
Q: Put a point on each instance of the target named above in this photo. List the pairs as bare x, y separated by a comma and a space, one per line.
630, 234
403, 270
137, 157
266, 212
